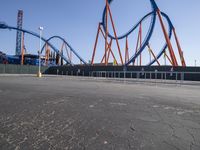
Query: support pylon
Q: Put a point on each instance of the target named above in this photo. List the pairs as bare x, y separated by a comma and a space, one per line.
140, 43
114, 30
166, 56
95, 45
108, 49
22, 50
171, 51
46, 54
154, 56
179, 49
126, 51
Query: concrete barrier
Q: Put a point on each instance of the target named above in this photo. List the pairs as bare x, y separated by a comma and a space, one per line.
20, 69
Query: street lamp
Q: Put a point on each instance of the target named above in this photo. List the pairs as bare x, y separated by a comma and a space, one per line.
39, 53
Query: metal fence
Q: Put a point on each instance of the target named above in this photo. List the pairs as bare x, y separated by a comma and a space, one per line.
151, 75
20, 69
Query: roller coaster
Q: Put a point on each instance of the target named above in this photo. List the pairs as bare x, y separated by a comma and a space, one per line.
66, 52
4, 26
141, 44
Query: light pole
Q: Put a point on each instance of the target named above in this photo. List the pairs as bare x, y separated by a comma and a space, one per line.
39, 53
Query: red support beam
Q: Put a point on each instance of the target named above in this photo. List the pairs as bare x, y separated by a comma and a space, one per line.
154, 56
137, 44
106, 34
22, 50
140, 43
109, 51
95, 45
126, 51
168, 58
179, 49
171, 51
46, 51
105, 54
109, 46
115, 33
61, 51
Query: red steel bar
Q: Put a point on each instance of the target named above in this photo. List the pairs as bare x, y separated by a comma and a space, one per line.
22, 50
115, 33
140, 43
151, 51
95, 45
174, 61
179, 49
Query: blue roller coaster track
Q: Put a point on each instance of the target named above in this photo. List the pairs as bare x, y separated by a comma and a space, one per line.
5, 26
152, 14
149, 34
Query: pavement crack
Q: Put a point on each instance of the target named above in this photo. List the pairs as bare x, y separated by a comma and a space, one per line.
171, 145
132, 128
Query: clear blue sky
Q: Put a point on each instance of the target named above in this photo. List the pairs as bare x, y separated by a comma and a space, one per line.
77, 20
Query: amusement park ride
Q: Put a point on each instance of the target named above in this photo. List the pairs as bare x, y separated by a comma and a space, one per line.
65, 55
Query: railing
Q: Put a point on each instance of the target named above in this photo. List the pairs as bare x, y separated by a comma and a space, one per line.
140, 75
148, 75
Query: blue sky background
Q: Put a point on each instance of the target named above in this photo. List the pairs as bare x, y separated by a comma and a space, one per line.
77, 21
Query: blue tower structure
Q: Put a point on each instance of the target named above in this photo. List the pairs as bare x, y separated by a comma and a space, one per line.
19, 33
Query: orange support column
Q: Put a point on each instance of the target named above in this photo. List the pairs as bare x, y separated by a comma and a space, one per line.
109, 46
140, 32
95, 45
47, 54
126, 51
107, 51
173, 57
168, 58
22, 50
61, 51
115, 33
179, 49
137, 45
106, 34
154, 56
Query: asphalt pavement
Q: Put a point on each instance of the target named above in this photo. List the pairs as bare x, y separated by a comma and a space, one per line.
77, 113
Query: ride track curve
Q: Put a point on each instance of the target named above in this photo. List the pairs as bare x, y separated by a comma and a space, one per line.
64, 41
144, 44
4, 26
149, 33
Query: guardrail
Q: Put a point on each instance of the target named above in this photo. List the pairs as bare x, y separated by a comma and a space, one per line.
161, 75
151, 75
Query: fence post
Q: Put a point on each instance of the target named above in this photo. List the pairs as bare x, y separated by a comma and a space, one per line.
156, 71
150, 76
182, 77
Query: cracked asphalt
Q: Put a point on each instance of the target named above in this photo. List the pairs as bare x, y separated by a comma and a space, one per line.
68, 113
